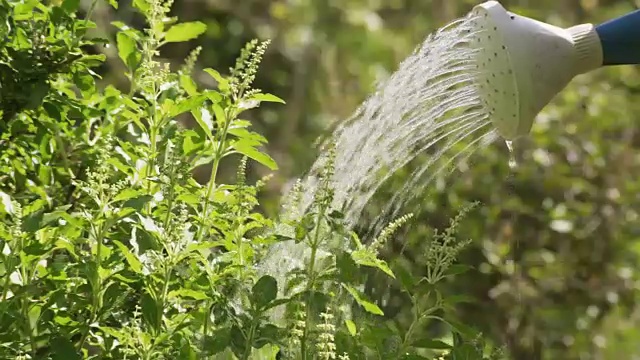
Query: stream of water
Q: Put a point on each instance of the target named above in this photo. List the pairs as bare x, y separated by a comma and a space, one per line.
430, 107
429, 110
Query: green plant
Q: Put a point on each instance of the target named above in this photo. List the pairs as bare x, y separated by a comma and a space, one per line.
111, 249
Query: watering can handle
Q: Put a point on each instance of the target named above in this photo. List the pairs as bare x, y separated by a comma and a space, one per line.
620, 39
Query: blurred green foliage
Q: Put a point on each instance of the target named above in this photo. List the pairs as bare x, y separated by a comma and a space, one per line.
556, 240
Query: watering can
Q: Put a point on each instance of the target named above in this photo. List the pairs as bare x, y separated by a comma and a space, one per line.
524, 63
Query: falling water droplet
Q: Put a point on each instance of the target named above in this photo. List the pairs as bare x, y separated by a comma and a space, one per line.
512, 156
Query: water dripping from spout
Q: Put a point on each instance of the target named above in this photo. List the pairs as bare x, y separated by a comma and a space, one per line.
512, 156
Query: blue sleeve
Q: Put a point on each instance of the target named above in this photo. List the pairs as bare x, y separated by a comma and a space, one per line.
620, 39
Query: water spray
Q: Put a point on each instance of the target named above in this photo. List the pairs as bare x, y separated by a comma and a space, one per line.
523, 63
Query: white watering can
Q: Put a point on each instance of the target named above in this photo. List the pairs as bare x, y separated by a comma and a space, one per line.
524, 63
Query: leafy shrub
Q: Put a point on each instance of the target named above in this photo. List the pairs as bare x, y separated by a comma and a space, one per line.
110, 248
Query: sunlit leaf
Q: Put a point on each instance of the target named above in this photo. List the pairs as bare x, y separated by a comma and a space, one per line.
351, 326
221, 117
203, 118
132, 259
188, 293
126, 48
266, 98
185, 31
5, 203
246, 148
223, 83
359, 298
127, 194
365, 258
189, 104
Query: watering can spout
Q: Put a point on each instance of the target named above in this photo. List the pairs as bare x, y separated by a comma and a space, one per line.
525, 63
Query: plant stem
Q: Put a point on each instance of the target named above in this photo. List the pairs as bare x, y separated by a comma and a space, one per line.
311, 275
97, 288
25, 314
24, 273
153, 135
407, 336
418, 316
248, 346
207, 319
214, 173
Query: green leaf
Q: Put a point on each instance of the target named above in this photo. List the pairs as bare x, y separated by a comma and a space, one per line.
218, 341
188, 85
185, 31
430, 344
462, 329
406, 279
133, 261
126, 49
58, 213
351, 326
192, 103
221, 117
465, 352
245, 147
84, 82
267, 98
70, 6
242, 133
63, 349
359, 298
268, 351
150, 311
188, 293
137, 202
142, 5
5, 204
192, 142
264, 291
187, 352
127, 194
457, 299
457, 269
34, 315
415, 357
365, 258
149, 224
223, 83
277, 302
203, 118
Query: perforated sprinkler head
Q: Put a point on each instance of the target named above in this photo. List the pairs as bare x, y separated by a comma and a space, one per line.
524, 63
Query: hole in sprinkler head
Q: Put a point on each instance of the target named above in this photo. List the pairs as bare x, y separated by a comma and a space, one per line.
512, 17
